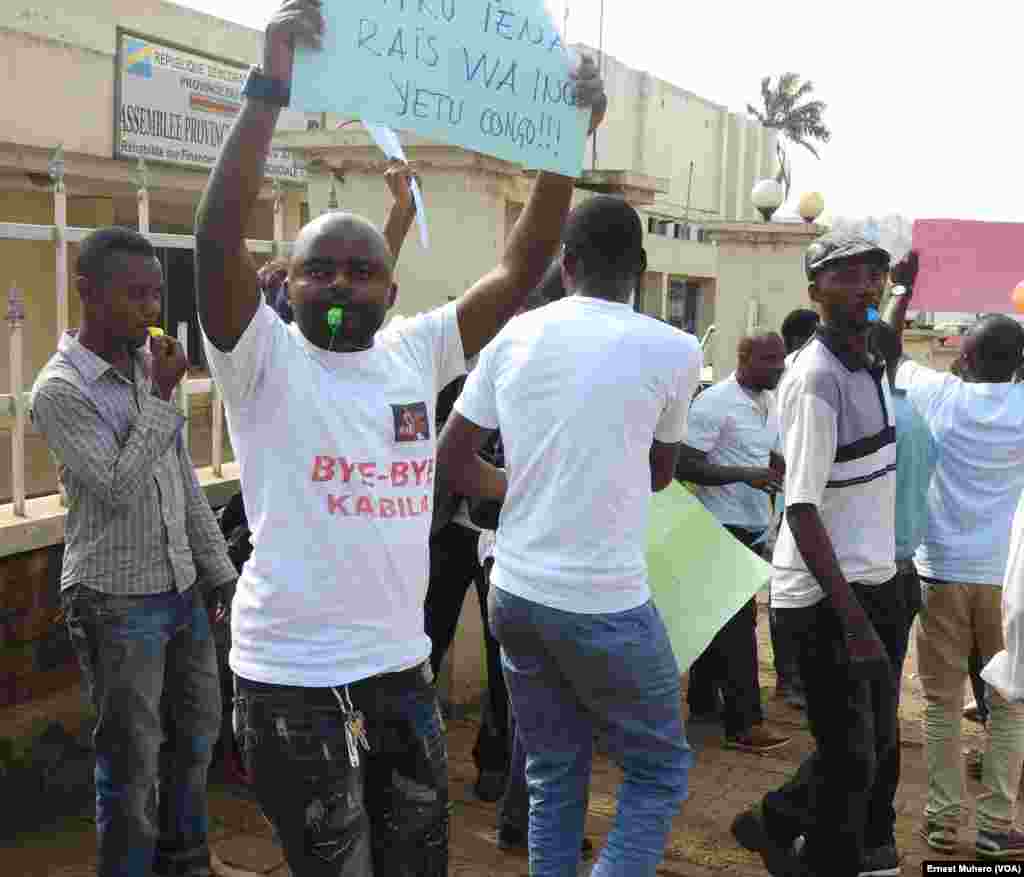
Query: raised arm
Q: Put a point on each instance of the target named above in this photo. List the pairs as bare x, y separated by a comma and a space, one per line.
495, 298
399, 178
226, 291
904, 273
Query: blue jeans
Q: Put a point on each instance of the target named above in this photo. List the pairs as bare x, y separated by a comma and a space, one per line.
386, 816
150, 667
514, 806
567, 674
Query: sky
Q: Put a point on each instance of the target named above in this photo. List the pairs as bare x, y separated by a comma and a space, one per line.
923, 97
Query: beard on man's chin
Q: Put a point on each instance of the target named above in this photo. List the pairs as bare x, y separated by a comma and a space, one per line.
359, 325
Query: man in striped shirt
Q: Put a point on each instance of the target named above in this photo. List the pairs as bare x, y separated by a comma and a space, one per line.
140, 541
834, 573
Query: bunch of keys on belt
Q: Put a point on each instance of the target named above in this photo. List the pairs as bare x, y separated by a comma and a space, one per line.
355, 726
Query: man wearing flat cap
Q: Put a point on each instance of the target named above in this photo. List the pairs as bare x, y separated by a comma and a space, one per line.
834, 570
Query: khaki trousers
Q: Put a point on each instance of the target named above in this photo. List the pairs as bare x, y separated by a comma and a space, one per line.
956, 617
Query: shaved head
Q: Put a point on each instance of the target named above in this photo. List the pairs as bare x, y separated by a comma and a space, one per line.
342, 261
753, 340
340, 226
760, 360
993, 349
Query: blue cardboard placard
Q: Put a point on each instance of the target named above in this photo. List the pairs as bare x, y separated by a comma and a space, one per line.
486, 75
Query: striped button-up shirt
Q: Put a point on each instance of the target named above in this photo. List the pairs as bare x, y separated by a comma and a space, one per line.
137, 520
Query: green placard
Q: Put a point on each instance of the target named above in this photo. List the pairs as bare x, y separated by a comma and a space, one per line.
700, 574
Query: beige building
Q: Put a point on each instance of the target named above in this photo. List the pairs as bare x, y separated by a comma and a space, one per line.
687, 163
118, 80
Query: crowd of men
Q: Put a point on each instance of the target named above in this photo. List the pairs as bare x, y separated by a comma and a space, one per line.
364, 448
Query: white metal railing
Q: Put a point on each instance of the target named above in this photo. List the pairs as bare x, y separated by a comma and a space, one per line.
14, 405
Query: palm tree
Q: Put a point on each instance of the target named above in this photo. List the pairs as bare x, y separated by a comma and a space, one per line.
798, 122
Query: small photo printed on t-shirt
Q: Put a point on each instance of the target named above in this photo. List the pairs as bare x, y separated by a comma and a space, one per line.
411, 422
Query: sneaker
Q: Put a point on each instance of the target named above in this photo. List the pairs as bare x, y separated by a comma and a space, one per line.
512, 839
780, 860
880, 862
490, 785
941, 838
993, 845
756, 740
219, 868
974, 760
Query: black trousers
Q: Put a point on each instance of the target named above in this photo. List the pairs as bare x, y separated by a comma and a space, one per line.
841, 798
454, 565
787, 671
729, 666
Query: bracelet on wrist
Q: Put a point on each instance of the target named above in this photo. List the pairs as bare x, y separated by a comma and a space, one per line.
266, 89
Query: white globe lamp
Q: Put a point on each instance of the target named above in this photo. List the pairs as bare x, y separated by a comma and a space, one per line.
767, 197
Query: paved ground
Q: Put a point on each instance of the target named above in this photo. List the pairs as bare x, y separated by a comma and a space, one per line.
722, 783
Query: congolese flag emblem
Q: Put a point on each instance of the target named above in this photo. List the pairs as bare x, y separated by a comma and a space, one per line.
138, 58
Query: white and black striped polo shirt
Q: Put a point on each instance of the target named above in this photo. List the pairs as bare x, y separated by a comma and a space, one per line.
839, 442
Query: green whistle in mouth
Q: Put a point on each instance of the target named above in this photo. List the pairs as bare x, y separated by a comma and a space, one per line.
334, 318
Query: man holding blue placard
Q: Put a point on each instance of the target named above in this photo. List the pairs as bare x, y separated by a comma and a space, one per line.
332, 422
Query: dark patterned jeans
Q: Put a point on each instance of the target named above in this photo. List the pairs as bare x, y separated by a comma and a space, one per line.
841, 798
389, 815
151, 670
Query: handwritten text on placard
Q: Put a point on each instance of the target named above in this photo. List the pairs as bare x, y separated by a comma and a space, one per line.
488, 75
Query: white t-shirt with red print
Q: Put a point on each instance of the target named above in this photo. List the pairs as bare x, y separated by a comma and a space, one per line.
336, 452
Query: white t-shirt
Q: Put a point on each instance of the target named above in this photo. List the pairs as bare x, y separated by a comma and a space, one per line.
337, 460
735, 427
579, 389
839, 443
979, 475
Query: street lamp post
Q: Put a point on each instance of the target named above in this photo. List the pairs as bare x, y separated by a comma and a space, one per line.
811, 206
767, 196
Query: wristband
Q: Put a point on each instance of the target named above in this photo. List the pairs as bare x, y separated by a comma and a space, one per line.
266, 89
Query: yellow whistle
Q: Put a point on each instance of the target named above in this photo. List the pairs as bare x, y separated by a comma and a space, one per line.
155, 332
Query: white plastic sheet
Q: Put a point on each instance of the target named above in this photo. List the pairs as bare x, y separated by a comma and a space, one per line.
1005, 672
